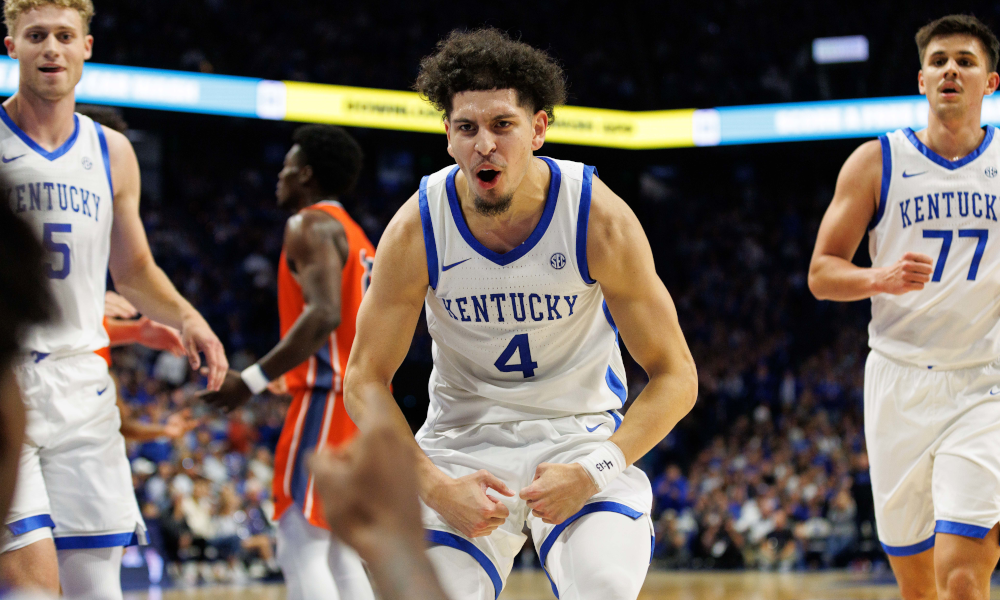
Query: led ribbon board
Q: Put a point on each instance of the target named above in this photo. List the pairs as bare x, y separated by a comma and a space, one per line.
405, 111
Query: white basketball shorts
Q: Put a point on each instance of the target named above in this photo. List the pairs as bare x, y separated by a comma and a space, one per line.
511, 452
74, 482
934, 447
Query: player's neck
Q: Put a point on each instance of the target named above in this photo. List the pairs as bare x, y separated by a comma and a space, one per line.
501, 233
953, 138
49, 123
310, 198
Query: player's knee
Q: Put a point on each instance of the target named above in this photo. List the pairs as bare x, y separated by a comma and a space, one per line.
963, 583
917, 592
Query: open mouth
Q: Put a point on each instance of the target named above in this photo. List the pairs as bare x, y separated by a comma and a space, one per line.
949, 88
487, 175
50, 69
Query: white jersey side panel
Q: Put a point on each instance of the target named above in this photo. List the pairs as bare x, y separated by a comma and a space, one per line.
947, 210
66, 197
521, 335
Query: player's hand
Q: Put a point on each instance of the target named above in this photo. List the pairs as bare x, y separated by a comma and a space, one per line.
160, 337
117, 307
233, 393
369, 493
464, 504
180, 423
908, 274
278, 387
199, 337
558, 491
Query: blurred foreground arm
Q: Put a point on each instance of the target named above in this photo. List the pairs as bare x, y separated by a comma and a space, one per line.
369, 492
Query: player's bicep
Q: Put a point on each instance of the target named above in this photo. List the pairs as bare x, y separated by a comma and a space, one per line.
854, 203
129, 245
312, 243
391, 307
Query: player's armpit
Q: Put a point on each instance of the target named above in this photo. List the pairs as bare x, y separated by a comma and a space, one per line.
620, 259
832, 275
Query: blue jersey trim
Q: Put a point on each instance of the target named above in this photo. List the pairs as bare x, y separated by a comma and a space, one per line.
536, 235
616, 385
82, 542
886, 179
459, 543
963, 529
605, 506
582, 219
618, 419
66, 146
611, 320
944, 162
909, 550
25, 525
312, 426
430, 246
107, 157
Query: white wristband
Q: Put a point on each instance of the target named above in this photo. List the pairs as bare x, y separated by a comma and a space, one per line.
255, 378
604, 464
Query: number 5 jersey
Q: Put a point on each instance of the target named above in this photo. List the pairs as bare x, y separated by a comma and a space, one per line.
948, 211
521, 335
66, 197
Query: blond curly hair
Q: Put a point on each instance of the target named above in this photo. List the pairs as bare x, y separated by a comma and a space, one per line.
13, 9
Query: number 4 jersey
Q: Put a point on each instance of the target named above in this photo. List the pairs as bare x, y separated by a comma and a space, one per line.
66, 196
521, 335
948, 211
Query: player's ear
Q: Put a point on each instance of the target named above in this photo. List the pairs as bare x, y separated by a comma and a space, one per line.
447, 133
920, 82
539, 125
992, 82
88, 47
11, 51
305, 174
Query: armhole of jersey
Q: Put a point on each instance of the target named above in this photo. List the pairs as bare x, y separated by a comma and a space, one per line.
582, 220
886, 178
429, 245
107, 159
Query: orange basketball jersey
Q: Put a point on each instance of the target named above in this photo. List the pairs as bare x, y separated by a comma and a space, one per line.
316, 416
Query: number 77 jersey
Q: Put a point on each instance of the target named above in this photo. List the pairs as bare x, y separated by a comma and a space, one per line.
521, 335
948, 211
66, 196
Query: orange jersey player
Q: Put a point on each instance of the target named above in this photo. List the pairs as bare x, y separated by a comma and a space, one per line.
324, 271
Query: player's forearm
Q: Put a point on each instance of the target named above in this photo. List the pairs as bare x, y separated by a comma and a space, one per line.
664, 401
137, 431
147, 287
834, 278
402, 571
311, 330
362, 397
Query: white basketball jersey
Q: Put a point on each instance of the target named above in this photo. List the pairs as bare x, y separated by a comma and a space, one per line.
66, 197
521, 335
947, 210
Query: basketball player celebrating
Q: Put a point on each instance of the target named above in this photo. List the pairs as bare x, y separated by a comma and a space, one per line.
324, 271
529, 267
932, 380
77, 185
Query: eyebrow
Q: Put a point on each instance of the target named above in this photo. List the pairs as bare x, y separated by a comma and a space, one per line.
504, 116
962, 52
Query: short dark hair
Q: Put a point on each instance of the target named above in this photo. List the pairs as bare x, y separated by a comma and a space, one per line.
488, 59
335, 156
960, 25
25, 298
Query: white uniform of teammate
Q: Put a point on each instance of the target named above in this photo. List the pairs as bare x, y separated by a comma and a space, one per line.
932, 382
527, 367
74, 475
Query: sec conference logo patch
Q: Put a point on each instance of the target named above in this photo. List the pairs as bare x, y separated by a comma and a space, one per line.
991, 171
558, 260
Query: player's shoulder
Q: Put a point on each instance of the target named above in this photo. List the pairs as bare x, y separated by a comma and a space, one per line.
610, 216
310, 224
866, 158
407, 224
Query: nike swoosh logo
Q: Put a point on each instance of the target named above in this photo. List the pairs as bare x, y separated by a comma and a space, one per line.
39, 356
453, 265
7, 160
100, 392
594, 428
995, 390
908, 175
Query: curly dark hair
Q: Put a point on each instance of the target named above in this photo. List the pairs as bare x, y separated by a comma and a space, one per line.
960, 25
488, 59
25, 298
333, 154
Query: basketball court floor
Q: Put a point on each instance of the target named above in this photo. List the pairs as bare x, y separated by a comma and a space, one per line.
660, 585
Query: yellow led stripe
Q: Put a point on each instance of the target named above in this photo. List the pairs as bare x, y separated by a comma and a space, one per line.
405, 111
